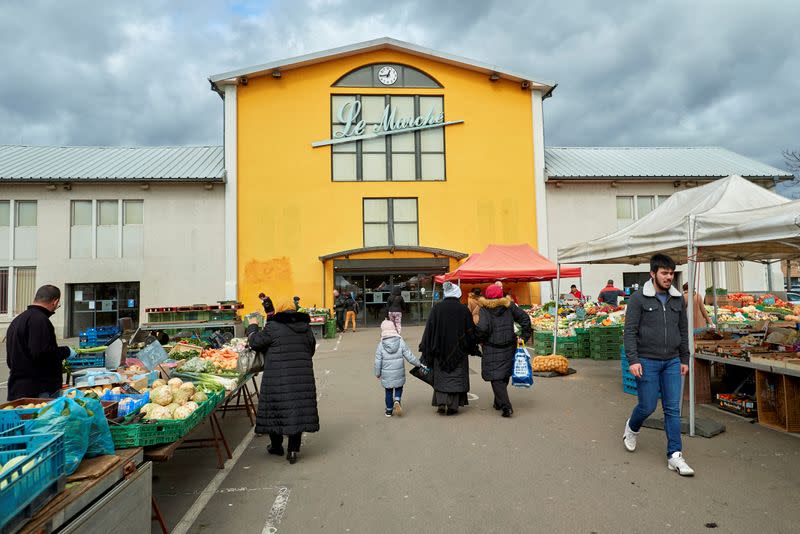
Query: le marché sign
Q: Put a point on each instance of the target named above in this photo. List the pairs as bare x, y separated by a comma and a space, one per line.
357, 130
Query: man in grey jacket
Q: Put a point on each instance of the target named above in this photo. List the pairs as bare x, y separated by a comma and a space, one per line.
657, 347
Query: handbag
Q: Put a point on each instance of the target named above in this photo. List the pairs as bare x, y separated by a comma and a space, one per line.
250, 362
522, 376
423, 373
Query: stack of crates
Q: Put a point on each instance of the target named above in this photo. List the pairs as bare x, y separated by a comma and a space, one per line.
543, 345
628, 380
584, 349
96, 337
605, 342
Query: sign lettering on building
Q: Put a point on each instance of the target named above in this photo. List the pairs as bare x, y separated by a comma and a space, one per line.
357, 130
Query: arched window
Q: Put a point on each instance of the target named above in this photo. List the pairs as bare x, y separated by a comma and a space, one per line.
387, 75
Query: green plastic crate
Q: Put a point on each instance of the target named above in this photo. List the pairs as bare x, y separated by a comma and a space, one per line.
158, 432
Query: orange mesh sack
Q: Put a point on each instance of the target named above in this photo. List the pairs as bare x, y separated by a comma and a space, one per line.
557, 363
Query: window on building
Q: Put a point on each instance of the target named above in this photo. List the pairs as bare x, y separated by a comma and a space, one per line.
624, 211
644, 205
391, 222
3, 290
660, 199
376, 74
80, 244
5, 213
25, 278
416, 155
107, 228
132, 228
5, 229
26, 213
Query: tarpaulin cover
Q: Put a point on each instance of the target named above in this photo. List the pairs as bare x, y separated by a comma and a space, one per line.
511, 263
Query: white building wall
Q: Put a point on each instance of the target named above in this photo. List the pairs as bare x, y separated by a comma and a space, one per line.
182, 243
583, 211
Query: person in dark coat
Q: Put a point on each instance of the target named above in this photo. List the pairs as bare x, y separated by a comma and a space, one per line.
496, 331
287, 403
339, 304
447, 342
394, 308
32, 353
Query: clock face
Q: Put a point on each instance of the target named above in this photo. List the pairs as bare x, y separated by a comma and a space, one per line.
387, 75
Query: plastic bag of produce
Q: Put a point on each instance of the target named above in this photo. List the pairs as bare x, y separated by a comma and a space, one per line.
152, 355
522, 376
100, 440
66, 416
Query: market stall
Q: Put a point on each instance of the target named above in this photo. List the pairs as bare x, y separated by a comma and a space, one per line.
670, 229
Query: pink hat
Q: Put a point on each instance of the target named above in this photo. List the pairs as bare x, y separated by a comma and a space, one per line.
494, 292
388, 330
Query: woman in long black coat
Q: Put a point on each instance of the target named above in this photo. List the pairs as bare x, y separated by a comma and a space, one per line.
287, 404
447, 342
496, 331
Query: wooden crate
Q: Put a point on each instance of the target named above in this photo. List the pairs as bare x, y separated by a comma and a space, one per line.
778, 398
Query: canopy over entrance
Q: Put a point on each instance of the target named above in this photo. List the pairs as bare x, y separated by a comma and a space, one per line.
509, 263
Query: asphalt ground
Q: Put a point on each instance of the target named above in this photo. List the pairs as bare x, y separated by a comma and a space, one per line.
557, 466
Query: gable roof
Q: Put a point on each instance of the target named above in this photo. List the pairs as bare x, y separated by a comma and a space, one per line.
653, 162
20, 163
383, 43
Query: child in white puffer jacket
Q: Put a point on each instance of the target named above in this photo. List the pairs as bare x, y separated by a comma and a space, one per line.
390, 366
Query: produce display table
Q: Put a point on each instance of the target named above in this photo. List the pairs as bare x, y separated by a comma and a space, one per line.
244, 398
164, 453
749, 365
106, 494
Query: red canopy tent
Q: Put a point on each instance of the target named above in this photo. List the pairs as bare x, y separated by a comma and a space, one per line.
509, 263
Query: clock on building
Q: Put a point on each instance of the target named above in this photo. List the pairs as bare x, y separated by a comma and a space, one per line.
387, 75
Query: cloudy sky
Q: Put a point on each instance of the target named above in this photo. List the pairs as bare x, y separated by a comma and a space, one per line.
655, 73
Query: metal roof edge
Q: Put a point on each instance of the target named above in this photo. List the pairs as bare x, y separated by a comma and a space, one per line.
374, 44
430, 250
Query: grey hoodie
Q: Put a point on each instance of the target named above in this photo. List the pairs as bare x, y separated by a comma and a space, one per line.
389, 365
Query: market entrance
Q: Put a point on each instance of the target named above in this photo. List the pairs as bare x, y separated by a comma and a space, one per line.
371, 283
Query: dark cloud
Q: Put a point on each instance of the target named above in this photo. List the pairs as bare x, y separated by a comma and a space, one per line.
670, 73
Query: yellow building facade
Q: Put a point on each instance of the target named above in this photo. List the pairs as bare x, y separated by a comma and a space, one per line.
444, 163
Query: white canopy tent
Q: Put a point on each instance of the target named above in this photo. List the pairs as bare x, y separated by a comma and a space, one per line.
672, 229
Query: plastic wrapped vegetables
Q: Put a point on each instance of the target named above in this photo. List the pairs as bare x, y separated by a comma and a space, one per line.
198, 365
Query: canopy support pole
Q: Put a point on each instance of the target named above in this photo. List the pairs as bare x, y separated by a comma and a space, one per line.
691, 252
714, 291
769, 276
555, 319
580, 285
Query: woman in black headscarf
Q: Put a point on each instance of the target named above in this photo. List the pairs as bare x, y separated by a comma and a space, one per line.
447, 342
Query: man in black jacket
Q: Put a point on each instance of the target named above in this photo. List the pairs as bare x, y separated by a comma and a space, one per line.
657, 348
33, 355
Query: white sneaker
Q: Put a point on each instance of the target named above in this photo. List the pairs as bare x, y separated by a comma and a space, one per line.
398, 409
629, 437
677, 463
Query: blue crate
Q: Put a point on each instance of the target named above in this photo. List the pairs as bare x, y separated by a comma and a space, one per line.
629, 385
24, 493
9, 420
85, 361
103, 330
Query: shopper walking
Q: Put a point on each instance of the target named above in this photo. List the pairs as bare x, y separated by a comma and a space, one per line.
351, 311
394, 307
390, 357
287, 403
339, 303
32, 352
447, 342
496, 332
266, 302
657, 347
473, 304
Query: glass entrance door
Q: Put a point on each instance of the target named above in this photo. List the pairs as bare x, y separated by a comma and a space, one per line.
93, 305
372, 292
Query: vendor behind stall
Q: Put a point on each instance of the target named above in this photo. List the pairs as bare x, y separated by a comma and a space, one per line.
33, 355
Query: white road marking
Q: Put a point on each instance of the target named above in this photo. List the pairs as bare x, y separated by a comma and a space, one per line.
276, 512
192, 514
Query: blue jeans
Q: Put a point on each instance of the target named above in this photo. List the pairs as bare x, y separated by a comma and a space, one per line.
663, 375
391, 395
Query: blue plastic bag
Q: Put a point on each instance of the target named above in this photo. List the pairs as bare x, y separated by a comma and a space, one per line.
100, 440
64, 415
522, 376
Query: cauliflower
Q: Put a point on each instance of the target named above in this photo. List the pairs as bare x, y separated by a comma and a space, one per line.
182, 412
180, 396
158, 413
158, 383
188, 386
192, 405
175, 382
199, 397
147, 407
161, 395
172, 407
